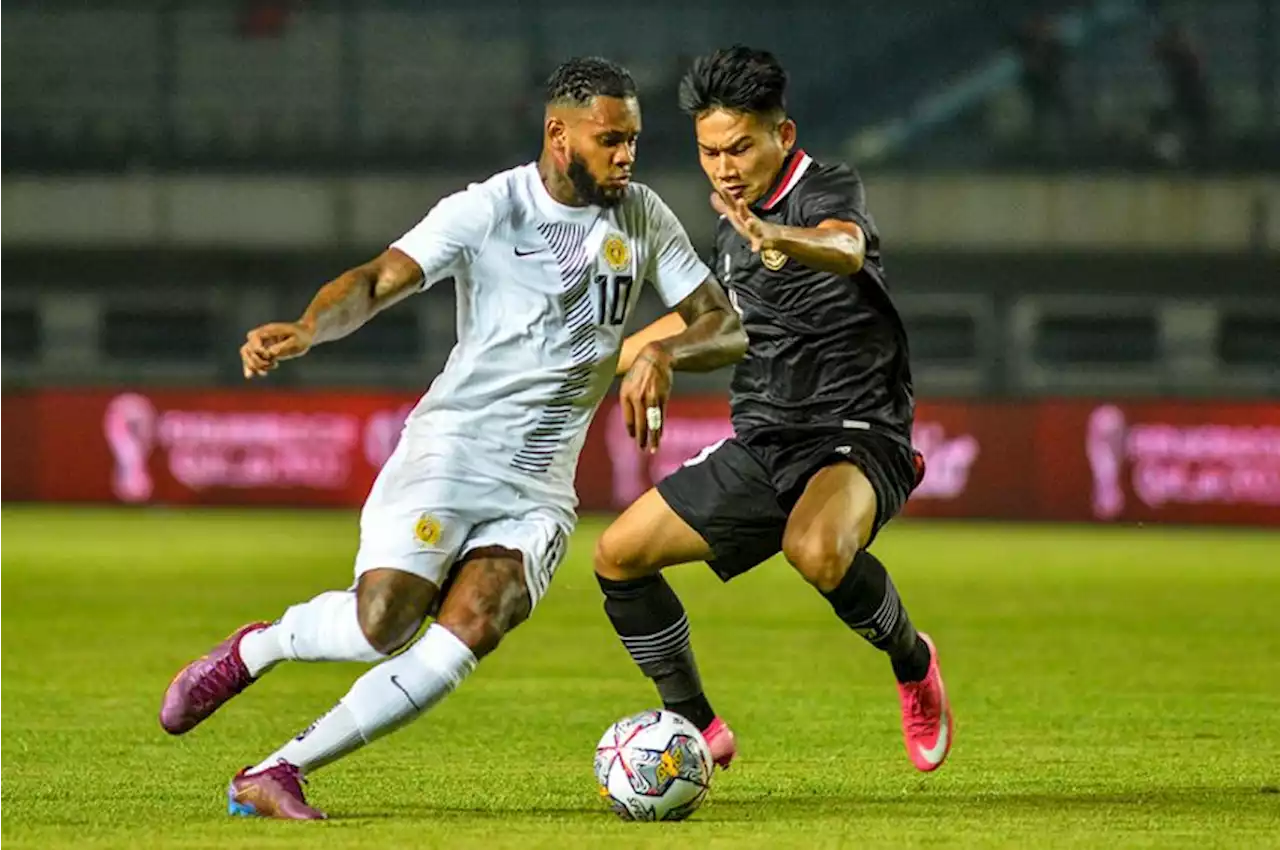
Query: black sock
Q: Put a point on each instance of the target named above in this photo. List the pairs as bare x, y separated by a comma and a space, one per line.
697, 710
868, 603
648, 617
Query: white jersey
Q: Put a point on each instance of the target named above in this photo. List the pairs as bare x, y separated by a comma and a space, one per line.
544, 291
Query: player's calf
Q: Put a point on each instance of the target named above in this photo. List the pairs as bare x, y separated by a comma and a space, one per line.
651, 622
648, 616
486, 599
867, 602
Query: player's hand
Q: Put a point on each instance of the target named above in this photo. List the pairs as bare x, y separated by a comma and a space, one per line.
266, 346
644, 396
748, 224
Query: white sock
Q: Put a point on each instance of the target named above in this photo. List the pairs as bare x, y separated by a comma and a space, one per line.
385, 698
324, 629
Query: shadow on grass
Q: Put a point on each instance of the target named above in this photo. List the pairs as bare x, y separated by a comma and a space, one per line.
773, 806
928, 803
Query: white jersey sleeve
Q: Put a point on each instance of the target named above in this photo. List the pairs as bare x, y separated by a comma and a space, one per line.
675, 269
451, 234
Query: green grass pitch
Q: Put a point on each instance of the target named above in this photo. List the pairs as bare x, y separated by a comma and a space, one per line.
1114, 687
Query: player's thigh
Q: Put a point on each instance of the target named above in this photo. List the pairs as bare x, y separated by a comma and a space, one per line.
513, 560
648, 536
486, 597
412, 528
422, 510
419, 534
727, 497
834, 517
407, 550
504, 570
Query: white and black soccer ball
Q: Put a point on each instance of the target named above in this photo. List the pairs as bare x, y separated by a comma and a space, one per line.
653, 766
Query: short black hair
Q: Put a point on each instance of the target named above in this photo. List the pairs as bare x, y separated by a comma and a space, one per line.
737, 78
577, 81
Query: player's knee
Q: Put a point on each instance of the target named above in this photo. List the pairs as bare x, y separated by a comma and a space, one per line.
391, 606
489, 600
615, 560
822, 558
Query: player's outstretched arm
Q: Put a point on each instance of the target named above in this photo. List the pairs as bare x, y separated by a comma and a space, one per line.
354, 297
835, 245
342, 305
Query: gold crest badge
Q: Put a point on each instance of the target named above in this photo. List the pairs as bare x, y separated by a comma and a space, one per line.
773, 259
427, 530
616, 253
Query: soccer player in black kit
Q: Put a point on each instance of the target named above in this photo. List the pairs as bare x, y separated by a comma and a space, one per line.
822, 409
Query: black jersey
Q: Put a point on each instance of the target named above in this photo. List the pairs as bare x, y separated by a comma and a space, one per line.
825, 350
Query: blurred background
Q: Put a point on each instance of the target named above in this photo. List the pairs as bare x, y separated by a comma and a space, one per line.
1079, 204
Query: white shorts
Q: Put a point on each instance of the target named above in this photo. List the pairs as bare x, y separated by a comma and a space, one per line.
424, 514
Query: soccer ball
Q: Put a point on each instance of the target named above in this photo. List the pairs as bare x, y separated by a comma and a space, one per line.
653, 766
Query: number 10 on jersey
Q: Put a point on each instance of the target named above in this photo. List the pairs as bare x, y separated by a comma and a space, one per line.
615, 295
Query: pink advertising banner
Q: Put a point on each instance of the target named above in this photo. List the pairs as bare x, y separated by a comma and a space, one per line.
1079, 460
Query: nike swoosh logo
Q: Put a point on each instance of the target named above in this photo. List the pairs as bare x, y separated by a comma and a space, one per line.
520, 253
396, 682
935, 754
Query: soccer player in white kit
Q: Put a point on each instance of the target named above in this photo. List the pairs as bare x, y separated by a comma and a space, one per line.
469, 517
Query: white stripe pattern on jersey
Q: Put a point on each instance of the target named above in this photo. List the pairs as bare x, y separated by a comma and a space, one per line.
567, 243
540, 575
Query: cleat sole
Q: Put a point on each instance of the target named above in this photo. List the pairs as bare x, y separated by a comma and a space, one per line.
235, 807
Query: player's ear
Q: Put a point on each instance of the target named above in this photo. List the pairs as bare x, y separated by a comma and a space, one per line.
557, 133
787, 134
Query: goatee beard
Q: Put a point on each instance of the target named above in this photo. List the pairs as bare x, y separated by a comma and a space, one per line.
587, 189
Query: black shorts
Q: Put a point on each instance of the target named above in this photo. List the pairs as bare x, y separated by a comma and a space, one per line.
738, 493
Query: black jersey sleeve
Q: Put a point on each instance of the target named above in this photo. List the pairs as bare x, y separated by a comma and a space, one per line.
834, 192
